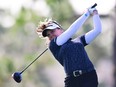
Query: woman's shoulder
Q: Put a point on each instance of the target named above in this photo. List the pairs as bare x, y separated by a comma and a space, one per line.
80, 39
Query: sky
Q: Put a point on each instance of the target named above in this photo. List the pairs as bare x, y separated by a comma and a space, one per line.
104, 6
14, 6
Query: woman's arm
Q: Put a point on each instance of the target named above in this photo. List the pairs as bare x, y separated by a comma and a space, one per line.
72, 29
91, 35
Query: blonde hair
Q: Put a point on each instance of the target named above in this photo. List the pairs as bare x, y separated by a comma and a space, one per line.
43, 25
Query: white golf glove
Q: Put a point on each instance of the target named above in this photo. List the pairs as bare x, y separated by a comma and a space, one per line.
91, 10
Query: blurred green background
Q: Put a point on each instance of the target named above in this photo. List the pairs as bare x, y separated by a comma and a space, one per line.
20, 44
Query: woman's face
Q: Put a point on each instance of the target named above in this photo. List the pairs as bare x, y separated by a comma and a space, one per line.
54, 33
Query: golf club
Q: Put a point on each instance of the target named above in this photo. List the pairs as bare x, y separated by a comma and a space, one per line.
17, 75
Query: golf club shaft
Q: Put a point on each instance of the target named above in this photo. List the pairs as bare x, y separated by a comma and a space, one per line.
33, 61
45, 50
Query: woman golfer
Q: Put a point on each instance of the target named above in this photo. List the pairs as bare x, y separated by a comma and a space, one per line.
70, 53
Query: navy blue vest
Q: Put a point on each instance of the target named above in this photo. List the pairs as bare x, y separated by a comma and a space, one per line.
72, 55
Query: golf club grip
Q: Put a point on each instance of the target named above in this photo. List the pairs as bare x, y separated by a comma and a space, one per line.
94, 5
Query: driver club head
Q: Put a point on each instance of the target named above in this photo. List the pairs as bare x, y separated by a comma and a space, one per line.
17, 77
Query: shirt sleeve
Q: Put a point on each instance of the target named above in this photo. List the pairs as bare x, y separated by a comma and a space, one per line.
91, 35
83, 41
65, 36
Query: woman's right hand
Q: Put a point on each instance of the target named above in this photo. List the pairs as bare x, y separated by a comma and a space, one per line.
92, 11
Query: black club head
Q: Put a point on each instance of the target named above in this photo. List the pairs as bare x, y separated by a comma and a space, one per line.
17, 77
